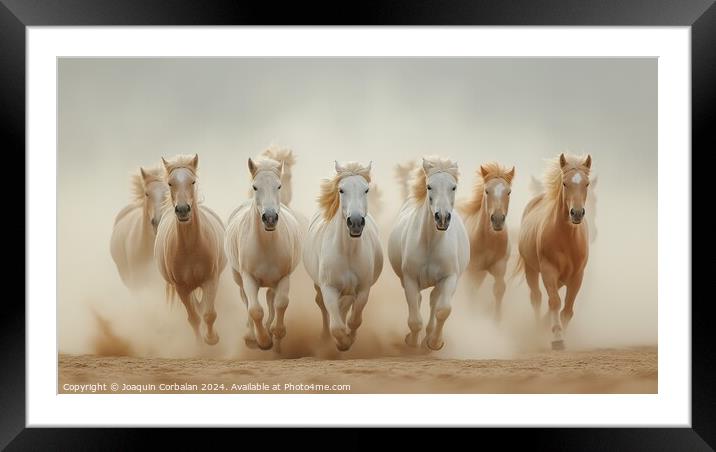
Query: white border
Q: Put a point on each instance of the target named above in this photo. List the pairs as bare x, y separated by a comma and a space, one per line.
670, 407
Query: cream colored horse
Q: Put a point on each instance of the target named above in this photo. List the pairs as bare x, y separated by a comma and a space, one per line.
263, 244
135, 227
342, 252
189, 249
429, 247
554, 241
485, 213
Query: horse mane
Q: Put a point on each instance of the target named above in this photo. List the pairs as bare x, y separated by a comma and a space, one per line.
494, 170
267, 164
402, 175
138, 183
552, 178
328, 199
418, 181
280, 154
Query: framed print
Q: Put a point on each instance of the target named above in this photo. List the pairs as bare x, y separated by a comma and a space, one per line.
359, 226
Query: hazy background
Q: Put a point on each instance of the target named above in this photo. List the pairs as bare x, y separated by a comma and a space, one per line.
117, 114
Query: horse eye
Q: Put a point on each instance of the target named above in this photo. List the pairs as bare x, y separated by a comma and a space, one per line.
340, 190
564, 183
193, 182
366, 190
170, 184
279, 187
147, 195
486, 192
453, 189
429, 187
510, 191
254, 187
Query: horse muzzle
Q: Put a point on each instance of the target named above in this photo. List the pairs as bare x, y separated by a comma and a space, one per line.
497, 221
576, 215
442, 220
355, 225
269, 219
183, 212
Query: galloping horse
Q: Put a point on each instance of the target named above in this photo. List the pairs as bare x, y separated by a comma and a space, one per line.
189, 247
484, 216
554, 241
429, 247
263, 243
135, 227
342, 253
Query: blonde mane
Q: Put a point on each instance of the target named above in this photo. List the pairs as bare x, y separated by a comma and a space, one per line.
493, 170
138, 183
176, 162
328, 199
279, 154
264, 163
552, 178
418, 182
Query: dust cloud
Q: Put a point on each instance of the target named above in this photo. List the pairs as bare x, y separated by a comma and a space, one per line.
118, 114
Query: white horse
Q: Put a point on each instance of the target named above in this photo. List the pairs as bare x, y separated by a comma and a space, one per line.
429, 247
342, 252
135, 227
263, 244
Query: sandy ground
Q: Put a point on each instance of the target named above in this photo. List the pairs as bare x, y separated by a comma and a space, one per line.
629, 370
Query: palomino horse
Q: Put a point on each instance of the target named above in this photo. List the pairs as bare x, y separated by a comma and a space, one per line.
132, 242
429, 247
484, 216
263, 244
554, 241
342, 253
189, 247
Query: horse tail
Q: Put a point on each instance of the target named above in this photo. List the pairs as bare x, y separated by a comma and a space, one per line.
519, 267
402, 175
288, 159
170, 293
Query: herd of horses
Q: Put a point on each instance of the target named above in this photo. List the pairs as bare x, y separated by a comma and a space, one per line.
433, 242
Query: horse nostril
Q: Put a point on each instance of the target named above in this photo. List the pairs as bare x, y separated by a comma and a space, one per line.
437, 216
362, 221
349, 222
492, 217
572, 212
447, 216
583, 211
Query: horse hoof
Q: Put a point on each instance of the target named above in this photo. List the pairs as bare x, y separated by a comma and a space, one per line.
251, 343
265, 347
212, 340
558, 345
431, 347
409, 340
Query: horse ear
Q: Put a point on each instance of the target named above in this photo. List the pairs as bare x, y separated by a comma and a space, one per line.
588, 161
483, 171
142, 173
280, 168
562, 160
339, 168
165, 163
252, 167
195, 162
370, 165
510, 175
427, 165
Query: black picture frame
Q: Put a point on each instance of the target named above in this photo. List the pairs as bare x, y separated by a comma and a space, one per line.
700, 15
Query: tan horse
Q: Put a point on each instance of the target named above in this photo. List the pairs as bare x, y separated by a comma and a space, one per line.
189, 249
484, 215
132, 242
554, 241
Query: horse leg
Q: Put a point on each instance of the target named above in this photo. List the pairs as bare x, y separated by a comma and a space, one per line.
431, 321
192, 316
446, 289
256, 312
270, 297
550, 278
331, 298
279, 329
325, 334
573, 287
498, 290
415, 321
356, 318
249, 336
209, 312
532, 277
